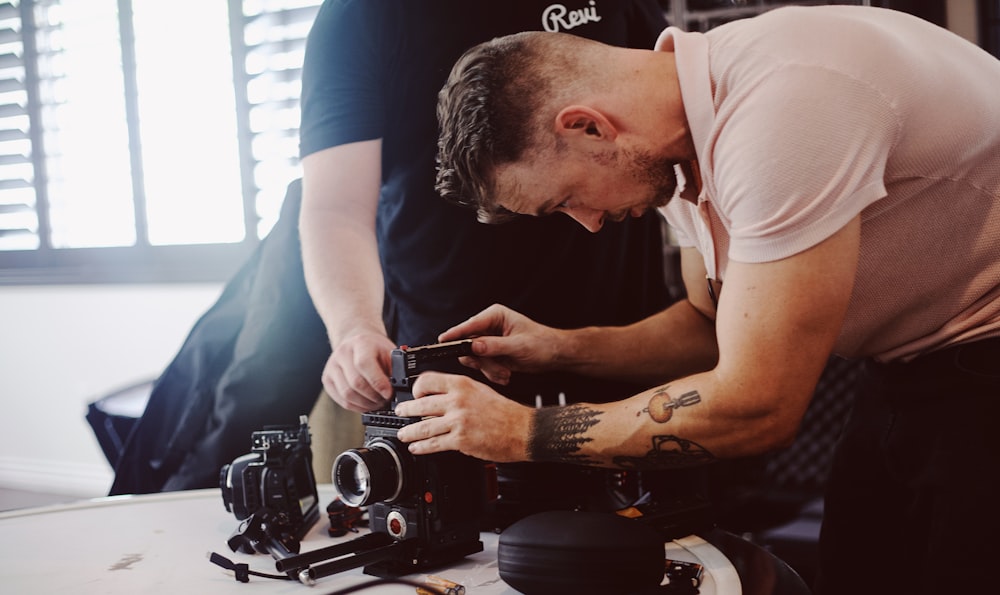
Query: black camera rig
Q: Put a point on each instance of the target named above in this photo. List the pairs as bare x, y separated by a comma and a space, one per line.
424, 511
272, 491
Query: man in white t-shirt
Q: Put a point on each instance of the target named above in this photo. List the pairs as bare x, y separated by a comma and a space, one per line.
834, 173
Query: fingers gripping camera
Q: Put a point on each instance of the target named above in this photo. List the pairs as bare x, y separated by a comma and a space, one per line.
437, 501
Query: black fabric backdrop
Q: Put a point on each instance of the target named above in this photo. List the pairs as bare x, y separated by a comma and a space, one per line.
256, 354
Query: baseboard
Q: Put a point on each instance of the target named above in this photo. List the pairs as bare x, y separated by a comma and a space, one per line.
55, 477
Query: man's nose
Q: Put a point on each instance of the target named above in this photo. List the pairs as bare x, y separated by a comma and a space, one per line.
591, 219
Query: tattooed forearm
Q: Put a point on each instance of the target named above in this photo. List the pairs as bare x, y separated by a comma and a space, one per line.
661, 405
558, 433
668, 452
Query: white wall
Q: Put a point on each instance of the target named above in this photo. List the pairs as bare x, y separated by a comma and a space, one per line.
62, 347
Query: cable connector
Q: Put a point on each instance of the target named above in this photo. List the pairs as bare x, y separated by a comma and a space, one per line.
241, 570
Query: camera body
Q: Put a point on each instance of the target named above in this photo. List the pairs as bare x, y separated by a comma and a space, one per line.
433, 504
272, 489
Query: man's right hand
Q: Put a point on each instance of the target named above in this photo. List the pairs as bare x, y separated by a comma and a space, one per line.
356, 375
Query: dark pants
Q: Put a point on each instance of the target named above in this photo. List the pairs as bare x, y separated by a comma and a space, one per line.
912, 502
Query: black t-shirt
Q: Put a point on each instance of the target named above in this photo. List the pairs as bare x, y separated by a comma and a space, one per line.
373, 69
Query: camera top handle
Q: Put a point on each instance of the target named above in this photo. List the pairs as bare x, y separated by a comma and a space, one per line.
409, 362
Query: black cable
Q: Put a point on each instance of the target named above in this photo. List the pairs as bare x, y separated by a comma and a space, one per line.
242, 571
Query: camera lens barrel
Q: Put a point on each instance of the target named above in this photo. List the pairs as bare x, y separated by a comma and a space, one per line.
373, 473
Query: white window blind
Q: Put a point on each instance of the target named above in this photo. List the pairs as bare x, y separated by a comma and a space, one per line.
143, 139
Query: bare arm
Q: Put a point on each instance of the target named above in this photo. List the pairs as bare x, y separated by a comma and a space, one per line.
776, 326
674, 343
342, 269
777, 323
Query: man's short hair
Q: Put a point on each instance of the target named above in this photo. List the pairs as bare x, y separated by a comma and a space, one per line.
490, 110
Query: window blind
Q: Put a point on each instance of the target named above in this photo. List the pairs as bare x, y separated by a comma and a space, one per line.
143, 140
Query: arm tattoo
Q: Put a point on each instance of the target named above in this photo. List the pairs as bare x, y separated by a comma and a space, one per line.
668, 452
661, 405
557, 434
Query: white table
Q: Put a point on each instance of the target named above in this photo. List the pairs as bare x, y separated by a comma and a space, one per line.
158, 543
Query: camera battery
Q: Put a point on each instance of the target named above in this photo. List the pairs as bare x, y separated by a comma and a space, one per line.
441, 586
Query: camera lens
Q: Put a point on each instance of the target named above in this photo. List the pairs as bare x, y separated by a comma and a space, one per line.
373, 473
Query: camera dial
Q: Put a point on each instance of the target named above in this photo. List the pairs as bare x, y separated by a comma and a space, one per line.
395, 525
373, 473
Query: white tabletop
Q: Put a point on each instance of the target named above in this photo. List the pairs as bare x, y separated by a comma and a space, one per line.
159, 543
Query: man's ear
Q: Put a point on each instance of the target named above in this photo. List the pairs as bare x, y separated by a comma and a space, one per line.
577, 120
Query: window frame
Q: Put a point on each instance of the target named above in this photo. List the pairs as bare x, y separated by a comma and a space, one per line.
141, 262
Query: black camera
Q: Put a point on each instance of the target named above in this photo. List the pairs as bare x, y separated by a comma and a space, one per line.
272, 491
431, 504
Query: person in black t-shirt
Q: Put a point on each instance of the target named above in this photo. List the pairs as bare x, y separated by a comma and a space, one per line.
387, 261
